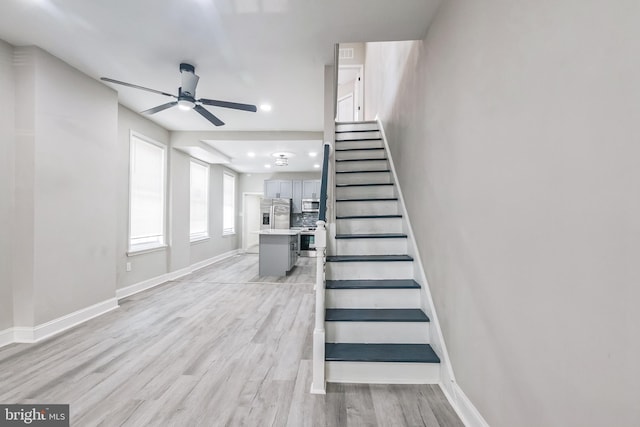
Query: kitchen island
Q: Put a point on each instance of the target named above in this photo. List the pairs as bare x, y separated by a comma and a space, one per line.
278, 251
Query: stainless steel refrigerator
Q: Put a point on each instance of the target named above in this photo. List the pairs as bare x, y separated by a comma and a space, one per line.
275, 213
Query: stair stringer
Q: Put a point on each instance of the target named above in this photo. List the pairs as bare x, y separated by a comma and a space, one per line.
447, 378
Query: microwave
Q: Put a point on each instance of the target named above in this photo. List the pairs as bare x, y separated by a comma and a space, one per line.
310, 205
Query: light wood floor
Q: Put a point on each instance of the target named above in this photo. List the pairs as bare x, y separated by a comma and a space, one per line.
219, 347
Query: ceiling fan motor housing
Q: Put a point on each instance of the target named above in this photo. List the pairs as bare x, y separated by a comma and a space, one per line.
187, 67
189, 82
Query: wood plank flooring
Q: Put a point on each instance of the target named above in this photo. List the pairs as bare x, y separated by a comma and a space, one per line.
220, 347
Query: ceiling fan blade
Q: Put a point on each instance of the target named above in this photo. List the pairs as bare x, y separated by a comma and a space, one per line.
159, 108
207, 115
118, 82
225, 104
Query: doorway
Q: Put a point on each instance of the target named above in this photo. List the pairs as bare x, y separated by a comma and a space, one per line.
350, 93
251, 222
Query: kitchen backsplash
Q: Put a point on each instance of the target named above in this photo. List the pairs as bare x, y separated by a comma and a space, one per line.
306, 219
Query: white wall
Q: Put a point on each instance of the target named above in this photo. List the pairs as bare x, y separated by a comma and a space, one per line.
514, 129
7, 141
65, 189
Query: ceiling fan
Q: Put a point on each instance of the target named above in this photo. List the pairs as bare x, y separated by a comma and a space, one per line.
186, 98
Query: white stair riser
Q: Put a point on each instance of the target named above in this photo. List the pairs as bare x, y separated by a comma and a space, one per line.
364, 165
361, 154
369, 143
373, 134
378, 332
372, 298
369, 225
365, 191
367, 208
369, 270
347, 126
363, 178
379, 246
382, 373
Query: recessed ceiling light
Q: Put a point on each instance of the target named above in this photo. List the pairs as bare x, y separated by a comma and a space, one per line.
313, 154
267, 166
265, 107
251, 154
316, 166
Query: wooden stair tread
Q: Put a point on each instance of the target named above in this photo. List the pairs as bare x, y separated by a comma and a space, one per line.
370, 199
399, 353
360, 149
368, 216
357, 130
375, 315
372, 236
360, 160
360, 139
372, 184
367, 171
368, 258
373, 284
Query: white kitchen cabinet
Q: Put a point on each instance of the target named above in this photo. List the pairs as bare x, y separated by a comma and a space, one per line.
278, 189
311, 189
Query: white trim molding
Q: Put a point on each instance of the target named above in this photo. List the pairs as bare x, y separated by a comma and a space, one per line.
155, 281
23, 334
467, 412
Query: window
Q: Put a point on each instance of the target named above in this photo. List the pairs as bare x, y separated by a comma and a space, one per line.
229, 204
199, 201
146, 194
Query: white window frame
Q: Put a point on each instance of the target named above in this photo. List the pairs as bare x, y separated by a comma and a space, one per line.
229, 231
147, 247
195, 237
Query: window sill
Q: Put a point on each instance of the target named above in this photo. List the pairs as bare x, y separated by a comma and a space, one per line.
229, 234
145, 250
199, 239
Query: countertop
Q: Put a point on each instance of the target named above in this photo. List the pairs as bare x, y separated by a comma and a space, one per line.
280, 232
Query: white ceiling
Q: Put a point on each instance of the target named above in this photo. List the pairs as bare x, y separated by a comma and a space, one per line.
241, 161
248, 51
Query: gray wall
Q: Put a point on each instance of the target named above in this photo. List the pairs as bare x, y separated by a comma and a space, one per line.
147, 265
514, 129
65, 190
64, 193
7, 141
181, 253
184, 253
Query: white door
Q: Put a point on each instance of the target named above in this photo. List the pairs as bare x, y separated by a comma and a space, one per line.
358, 104
251, 224
351, 84
345, 108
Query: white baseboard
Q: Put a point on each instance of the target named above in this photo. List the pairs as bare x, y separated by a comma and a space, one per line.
150, 283
22, 334
6, 337
38, 333
467, 412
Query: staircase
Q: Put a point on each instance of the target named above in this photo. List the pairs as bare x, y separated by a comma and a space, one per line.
375, 329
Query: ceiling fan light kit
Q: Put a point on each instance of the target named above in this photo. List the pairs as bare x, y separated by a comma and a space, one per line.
186, 98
